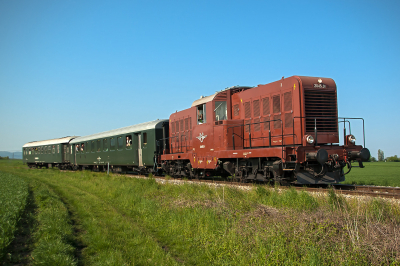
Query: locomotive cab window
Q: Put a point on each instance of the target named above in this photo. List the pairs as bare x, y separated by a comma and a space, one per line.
220, 110
201, 114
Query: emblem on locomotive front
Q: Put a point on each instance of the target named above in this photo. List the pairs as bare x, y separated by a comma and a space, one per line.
201, 137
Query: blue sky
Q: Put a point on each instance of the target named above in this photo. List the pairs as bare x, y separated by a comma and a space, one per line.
81, 67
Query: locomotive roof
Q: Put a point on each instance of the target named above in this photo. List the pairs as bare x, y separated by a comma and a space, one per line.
129, 129
207, 99
49, 142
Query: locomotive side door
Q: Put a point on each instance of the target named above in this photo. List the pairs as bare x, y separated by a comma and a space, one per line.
140, 149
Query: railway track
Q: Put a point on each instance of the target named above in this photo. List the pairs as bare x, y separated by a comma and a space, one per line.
358, 190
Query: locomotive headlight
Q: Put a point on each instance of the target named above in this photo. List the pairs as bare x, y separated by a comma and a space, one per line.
310, 139
351, 139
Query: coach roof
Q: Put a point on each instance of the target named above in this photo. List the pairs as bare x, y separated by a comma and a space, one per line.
124, 130
49, 142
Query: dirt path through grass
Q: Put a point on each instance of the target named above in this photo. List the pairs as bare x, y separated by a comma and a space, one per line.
111, 237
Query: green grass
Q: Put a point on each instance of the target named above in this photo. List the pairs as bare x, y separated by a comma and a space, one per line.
127, 221
53, 234
375, 173
13, 199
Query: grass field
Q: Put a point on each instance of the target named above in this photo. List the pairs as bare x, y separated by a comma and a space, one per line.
13, 198
375, 173
117, 220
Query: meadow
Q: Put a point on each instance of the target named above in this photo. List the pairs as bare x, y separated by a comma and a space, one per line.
90, 218
375, 173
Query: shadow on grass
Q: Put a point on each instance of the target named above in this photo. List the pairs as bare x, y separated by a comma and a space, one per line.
19, 251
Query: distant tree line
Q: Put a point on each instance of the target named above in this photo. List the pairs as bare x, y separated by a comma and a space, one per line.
4, 158
381, 158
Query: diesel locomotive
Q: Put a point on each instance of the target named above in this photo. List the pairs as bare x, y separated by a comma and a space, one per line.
286, 131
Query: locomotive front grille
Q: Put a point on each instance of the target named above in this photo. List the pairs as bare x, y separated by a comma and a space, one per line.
322, 105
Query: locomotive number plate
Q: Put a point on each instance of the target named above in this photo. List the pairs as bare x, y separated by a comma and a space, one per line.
321, 86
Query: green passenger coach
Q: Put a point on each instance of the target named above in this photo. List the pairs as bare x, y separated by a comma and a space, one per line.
47, 153
129, 148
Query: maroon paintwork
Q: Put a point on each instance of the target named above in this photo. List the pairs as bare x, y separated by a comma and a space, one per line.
267, 121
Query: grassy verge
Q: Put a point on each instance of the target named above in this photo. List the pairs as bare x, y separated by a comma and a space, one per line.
13, 199
135, 221
375, 173
53, 235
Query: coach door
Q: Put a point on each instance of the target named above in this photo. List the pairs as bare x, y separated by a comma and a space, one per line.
140, 149
64, 154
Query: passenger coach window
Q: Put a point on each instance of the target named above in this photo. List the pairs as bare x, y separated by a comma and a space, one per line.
201, 114
128, 142
112, 144
144, 138
105, 145
54, 149
93, 146
120, 143
221, 112
98, 145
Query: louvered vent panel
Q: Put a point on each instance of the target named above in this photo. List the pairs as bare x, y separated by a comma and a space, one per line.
256, 108
186, 123
173, 127
322, 105
288, 120
247, 110
257, 126
181, 125
247, 125
177, 126
277, 123
190, 123
266, 110
266, 123
276, 104
236, 110
287, 101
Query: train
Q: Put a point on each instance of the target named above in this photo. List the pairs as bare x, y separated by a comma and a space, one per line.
286, 131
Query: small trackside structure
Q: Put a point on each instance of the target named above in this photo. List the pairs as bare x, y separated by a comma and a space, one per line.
286, 131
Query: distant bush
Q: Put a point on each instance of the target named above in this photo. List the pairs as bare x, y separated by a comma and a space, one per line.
393, 159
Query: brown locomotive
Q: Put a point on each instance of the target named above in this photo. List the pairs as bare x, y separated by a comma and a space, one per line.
286, 131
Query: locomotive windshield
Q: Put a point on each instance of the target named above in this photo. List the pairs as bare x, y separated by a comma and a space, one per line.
220, 110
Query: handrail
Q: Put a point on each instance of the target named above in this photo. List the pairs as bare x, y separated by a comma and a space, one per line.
338, 118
